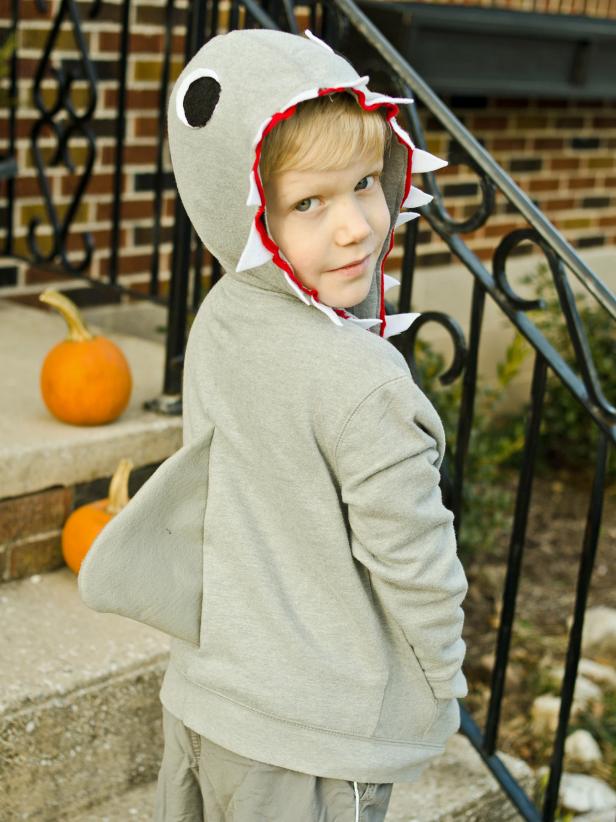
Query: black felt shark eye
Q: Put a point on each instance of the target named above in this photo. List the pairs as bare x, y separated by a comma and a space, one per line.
198, 98
200, 101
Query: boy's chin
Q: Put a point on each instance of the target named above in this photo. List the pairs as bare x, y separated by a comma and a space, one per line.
349, 301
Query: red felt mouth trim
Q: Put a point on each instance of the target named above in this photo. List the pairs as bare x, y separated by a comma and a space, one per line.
270, 245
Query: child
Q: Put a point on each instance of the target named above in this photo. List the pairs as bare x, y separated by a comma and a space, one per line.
296, 547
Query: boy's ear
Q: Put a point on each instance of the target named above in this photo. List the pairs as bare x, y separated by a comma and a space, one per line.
200, 100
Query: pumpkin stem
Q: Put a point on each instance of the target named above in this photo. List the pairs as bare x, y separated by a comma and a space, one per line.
77, 331
118, 487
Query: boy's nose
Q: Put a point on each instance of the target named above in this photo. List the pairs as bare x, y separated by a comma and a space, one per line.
353, 225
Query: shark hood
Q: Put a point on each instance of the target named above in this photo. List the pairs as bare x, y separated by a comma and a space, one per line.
235, 89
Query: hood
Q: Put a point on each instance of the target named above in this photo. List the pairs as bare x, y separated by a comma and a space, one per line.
231, 93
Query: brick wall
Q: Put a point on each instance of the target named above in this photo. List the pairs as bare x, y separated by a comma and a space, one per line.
560, 153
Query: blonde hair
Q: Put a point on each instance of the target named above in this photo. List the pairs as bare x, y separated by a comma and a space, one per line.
324, 133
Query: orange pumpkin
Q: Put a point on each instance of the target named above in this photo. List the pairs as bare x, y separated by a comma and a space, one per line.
85, 523
85, 379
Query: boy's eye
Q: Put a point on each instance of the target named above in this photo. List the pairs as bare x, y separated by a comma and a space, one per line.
368, 177
307, 201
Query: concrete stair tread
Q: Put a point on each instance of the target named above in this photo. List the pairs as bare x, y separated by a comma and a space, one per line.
80, 717
58, 644
36, 450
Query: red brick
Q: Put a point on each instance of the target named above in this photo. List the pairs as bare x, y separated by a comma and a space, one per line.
548, 144
29, 10
103, 212
27, 187
36, 513
35, 557
97, 184
143, 99
135, 264
564, 163
147, 126
582, 182
109, 41
483, 123
508, 144
147, 43
529, 121
495, 230
137, 209
604, 122
558, 205
36, 276
543, 185
140, 155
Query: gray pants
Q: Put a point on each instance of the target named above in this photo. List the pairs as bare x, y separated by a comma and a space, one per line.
199, 781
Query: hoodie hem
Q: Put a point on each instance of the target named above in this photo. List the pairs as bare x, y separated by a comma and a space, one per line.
276, 741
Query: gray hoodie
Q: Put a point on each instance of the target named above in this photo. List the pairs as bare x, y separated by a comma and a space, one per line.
296, 548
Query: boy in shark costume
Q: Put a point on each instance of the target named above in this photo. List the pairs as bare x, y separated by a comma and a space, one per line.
296, 548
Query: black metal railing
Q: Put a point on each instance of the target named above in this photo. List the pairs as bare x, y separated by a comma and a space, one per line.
342, 24
584, 385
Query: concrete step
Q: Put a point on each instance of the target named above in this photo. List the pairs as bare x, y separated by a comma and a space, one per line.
36, 450
81, 731
80, 718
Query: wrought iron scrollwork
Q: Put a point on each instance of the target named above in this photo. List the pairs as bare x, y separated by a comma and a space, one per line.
436, 209
406, 344
575, 327
76, 125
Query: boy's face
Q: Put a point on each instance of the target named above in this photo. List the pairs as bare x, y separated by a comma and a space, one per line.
325, 220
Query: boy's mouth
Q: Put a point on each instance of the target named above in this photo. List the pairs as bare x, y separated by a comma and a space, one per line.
353, 266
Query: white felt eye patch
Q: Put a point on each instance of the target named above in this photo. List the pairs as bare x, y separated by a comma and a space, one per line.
183, 89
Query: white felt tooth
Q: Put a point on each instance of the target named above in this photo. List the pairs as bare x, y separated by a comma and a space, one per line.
416, 197
406, 217
309, 94
327, 310
389, 282
402, 134
384, 98
316, 39
397, 323
254, 198
294, 286
254, 253
351, 83
260, 131
363, 81
367, 322
424, 161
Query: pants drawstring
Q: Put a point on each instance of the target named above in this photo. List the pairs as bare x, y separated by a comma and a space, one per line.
356, 802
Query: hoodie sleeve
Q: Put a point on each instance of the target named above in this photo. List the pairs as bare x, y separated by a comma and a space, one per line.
388, 456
